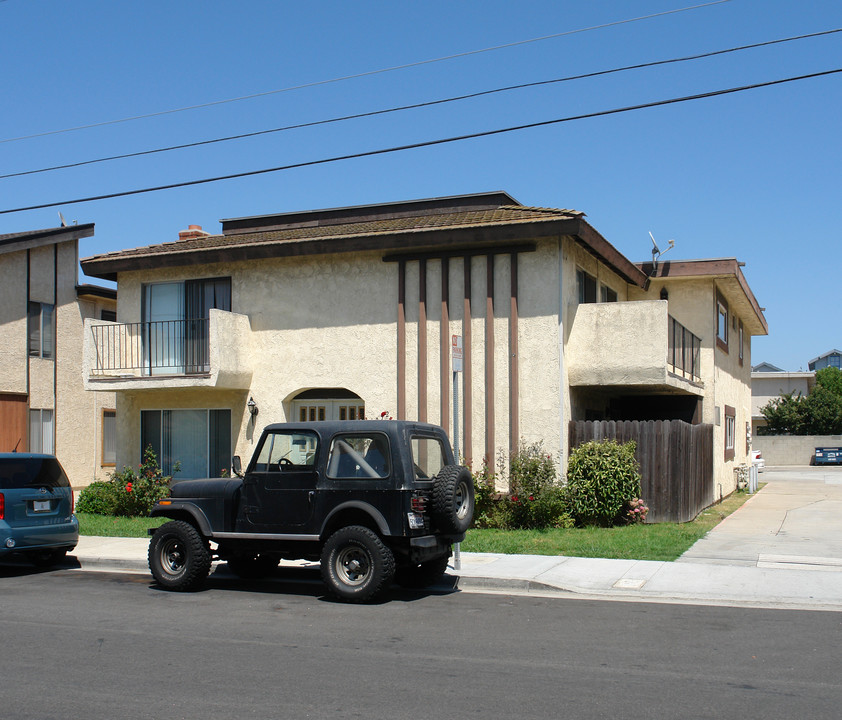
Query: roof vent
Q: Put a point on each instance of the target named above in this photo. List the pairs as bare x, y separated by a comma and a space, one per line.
192, 231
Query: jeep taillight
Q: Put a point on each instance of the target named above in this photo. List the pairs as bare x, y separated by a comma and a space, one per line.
418, 503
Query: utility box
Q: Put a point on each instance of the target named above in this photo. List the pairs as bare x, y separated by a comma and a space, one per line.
828, 456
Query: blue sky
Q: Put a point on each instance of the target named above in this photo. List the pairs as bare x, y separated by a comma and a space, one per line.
753, 175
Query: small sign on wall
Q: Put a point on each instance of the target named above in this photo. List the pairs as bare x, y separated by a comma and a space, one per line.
456, 347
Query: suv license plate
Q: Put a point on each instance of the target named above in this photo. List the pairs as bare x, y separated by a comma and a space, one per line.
41, 506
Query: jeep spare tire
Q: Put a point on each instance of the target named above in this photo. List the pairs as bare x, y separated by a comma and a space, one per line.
452, 504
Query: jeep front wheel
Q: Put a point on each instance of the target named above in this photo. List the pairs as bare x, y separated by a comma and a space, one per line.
179, 557
356, 564
453, 499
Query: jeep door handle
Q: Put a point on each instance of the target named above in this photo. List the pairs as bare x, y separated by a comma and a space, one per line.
311, 495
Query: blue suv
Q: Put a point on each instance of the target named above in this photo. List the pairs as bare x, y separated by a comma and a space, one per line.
36, 509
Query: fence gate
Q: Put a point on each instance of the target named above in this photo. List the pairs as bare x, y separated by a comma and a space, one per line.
676, 462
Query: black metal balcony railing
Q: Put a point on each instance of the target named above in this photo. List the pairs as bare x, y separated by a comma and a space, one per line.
167, 347
684, 353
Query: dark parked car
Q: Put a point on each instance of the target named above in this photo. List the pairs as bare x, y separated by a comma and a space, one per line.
36, 509
372, 500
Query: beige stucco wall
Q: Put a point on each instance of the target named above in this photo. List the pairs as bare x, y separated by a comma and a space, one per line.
692, 302
769, 386
331, 322
53, 384
13, 309
792, 449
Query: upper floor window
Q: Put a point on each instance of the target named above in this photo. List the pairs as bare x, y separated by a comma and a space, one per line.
607, 294
721, 323
41, 329
587, 287
108, 315
742, 336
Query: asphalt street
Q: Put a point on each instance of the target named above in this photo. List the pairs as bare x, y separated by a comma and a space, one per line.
100, 645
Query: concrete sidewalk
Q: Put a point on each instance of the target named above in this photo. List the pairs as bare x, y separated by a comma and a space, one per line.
782, 549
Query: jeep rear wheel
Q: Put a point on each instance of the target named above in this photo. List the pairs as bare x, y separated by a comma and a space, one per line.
356, 564
453, 499
179, 557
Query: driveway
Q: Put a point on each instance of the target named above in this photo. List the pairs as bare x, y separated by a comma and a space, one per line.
795, 521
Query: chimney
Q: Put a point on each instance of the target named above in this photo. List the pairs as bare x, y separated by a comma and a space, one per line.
192, 232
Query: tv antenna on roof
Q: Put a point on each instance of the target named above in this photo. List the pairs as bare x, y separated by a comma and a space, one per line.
657, 252
64, 222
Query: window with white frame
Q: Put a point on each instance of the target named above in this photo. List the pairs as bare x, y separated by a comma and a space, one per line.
721, 323
40, 328
41, 431
730, 432
109, 437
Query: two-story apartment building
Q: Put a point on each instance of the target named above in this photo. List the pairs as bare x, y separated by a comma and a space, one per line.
43, 403
352, 312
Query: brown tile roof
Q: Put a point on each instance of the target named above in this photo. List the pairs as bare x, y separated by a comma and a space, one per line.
402, 228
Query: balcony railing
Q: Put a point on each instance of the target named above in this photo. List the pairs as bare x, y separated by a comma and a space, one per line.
684, 352
168, 347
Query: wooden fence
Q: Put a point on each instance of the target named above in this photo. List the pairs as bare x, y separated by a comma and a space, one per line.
676, 462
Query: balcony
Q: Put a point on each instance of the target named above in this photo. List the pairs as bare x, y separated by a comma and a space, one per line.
210, 352
635, 345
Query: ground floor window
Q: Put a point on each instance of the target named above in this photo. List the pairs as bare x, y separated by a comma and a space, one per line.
41, 431
188, 443
730, 432
327, 404
109, 437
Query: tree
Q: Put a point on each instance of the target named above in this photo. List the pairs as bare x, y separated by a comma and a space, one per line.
820, 413
830, 378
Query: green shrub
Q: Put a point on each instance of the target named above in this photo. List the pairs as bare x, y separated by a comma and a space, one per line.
98, 498
602, 480
535, 499
126, 493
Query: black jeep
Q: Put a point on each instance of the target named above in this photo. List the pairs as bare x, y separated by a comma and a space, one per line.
372, 500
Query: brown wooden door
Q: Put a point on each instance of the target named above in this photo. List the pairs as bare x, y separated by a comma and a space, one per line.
13, 423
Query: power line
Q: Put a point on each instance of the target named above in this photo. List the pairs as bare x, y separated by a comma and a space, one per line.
426, 143
415, 106
363, 74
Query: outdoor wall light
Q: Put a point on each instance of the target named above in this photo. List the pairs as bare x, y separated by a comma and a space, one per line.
252, 406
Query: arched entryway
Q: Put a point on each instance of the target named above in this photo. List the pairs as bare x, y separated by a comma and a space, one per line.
326, 404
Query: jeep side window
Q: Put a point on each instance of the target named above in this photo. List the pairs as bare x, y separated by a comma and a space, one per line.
359, 456
285, 451
428, 457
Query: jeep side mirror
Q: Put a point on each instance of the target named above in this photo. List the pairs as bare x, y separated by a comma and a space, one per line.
237, 466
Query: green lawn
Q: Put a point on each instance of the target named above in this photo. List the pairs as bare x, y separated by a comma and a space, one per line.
108, 526
664, 541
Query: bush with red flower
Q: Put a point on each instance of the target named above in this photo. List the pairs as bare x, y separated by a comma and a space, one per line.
127, 493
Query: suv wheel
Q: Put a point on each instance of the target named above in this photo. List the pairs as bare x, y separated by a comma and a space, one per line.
179, 557
453, 499
356, 564
423, 575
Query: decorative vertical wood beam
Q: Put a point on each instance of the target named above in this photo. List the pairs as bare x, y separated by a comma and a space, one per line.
489, 360
444, 345
514, 385
467, 372
422, 340
401, 411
